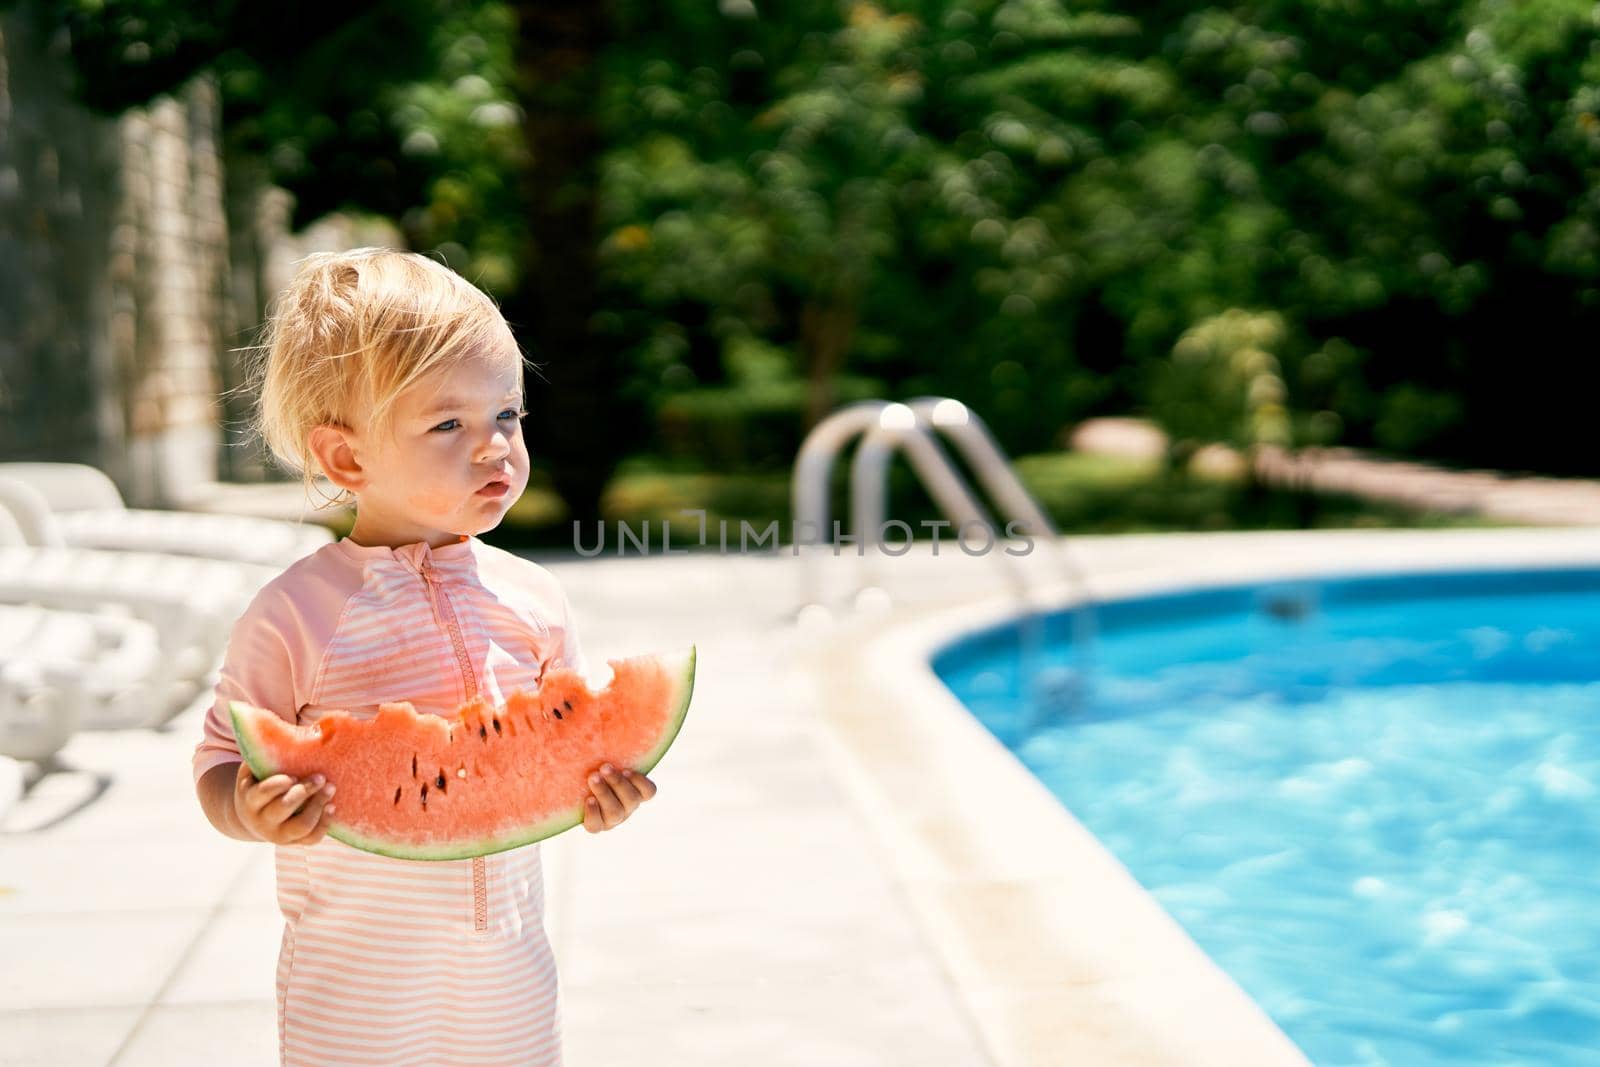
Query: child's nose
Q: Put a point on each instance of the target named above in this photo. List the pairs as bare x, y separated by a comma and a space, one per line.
498, 446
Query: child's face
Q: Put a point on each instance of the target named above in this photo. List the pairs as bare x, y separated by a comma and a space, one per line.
453, 462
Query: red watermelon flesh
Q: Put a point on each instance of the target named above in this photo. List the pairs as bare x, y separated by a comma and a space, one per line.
430, 787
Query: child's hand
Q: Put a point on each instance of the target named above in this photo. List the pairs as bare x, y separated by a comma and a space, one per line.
282, 810
616, 795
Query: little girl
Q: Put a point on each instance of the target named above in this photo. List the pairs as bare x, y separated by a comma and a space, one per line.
402, 384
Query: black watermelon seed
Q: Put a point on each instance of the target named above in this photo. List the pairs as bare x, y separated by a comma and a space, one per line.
497, 726
440, 780
483, 732
424, 796
567, 704
397, 795
556, 712
413, 766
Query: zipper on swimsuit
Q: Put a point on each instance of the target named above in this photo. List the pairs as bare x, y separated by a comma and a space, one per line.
446, 617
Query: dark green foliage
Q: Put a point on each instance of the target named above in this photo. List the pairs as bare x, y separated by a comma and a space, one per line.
1025, 204
311, 89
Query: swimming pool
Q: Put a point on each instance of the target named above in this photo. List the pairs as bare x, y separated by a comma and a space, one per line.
1375, 802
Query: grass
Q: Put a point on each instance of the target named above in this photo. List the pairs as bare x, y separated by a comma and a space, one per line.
1112, 494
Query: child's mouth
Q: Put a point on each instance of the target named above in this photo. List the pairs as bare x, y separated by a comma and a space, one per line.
495, 489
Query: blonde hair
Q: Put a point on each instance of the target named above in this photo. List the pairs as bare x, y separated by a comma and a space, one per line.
351, 331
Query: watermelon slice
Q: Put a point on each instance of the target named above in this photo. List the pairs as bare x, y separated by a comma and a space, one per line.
431, 787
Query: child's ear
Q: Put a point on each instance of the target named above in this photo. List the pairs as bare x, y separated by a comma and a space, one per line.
332, 446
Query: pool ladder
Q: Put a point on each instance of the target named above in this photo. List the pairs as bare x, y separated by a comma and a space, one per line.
887, 428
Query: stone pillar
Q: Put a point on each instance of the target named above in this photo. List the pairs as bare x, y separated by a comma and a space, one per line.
58, 166
133, 272
173, 202
113, 274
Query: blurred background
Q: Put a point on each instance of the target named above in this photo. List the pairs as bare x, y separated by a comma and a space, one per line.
1273, 225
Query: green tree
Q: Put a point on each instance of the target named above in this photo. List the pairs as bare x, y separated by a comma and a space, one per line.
1224, 384
1067, 190
579, 426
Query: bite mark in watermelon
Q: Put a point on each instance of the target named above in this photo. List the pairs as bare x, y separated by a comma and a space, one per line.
431, 787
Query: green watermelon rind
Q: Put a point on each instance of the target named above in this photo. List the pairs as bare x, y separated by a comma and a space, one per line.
670, 734
262, 767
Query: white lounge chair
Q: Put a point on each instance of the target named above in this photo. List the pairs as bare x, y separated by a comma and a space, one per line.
10, 530
85, 510
109, 667
12, 783
37, 717
191, 602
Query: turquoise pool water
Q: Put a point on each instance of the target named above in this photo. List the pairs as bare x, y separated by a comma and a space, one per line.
1374, 802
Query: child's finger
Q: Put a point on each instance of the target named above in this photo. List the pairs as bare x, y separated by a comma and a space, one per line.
644, 785
320, 830
244, 781
301, 827
298, 794
626, 792
591, 816
267, 790
611, 809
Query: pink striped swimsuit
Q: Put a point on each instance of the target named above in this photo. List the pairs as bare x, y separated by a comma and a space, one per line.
399, 962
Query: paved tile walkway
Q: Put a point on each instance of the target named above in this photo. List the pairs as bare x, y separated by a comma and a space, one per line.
744, 917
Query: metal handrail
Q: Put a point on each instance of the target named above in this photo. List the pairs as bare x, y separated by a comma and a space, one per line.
887, 428
813, 473
812, 481
907, 428
971, 435
984, 455
900, 430
813, 465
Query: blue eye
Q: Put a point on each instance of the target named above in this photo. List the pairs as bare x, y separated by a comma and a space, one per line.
452, 424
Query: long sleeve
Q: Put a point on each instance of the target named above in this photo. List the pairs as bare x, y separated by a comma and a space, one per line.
258, 669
